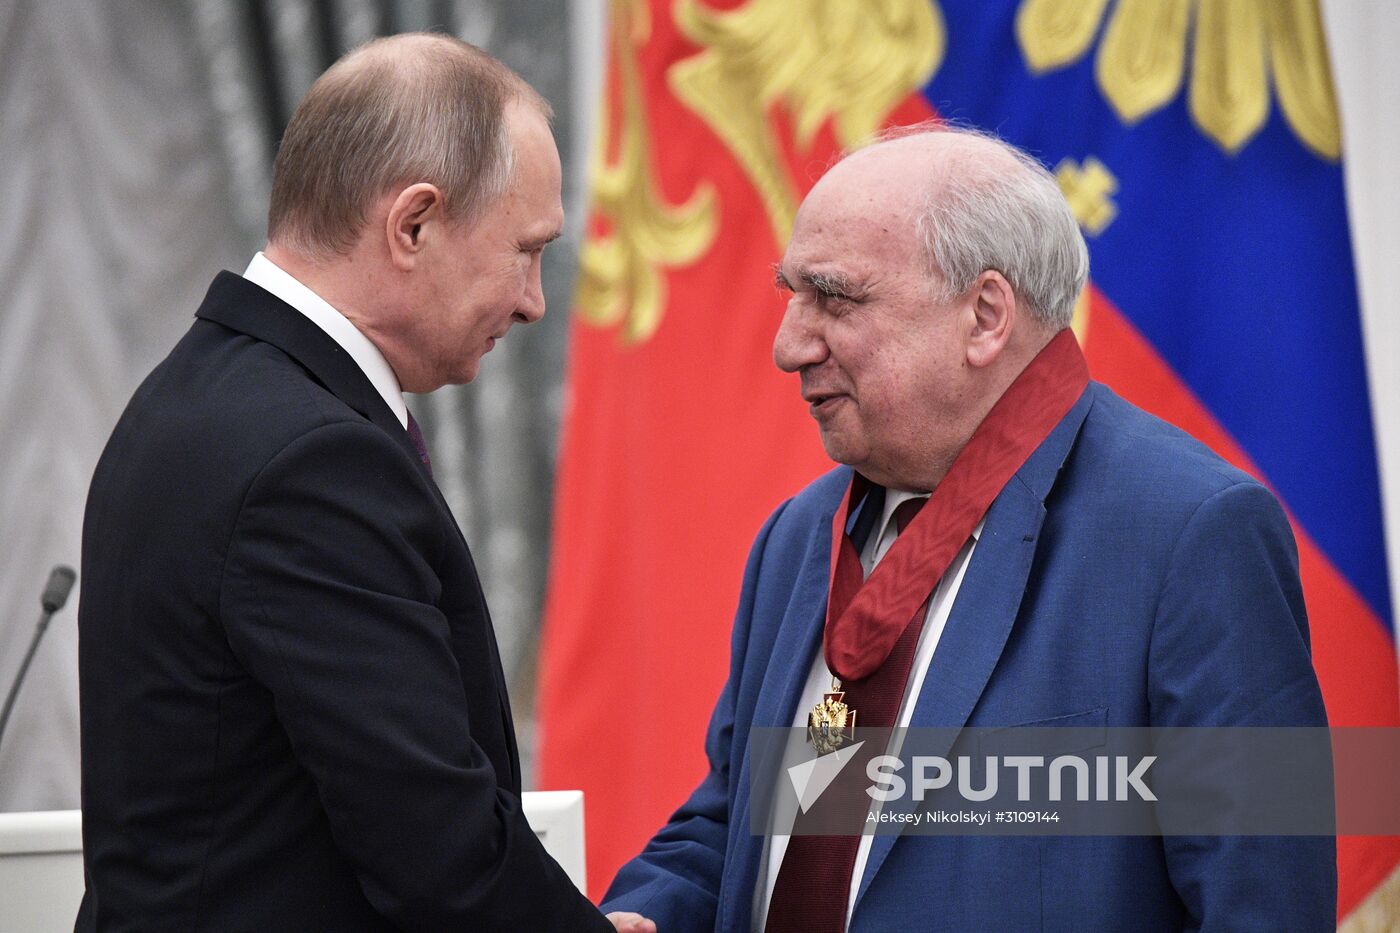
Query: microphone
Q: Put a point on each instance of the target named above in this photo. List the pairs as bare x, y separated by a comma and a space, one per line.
56, 591
60, 584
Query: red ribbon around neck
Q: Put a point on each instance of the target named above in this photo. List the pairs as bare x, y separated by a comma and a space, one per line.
865, 617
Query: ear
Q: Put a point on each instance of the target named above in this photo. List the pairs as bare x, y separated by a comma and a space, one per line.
994, 316
411, 213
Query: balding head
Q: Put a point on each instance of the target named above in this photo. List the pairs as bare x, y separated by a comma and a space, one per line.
396, 111
926, 272
977, 203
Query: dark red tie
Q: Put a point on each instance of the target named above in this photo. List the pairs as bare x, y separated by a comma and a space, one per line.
814, 882
416, 435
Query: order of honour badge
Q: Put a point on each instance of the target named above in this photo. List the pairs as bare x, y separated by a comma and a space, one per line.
830, 723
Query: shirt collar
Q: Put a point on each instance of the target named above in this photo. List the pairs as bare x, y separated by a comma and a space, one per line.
265, 273
893, 498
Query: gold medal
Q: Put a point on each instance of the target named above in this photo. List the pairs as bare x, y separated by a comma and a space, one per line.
831, 722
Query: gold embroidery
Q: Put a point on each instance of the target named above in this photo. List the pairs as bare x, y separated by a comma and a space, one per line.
1229, 95
851, 61
1054, 33
1143, 55
1302, 76
619, 274
1088, 190
1239, 44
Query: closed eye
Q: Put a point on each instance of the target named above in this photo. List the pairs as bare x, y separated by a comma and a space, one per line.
537, 246
780, 281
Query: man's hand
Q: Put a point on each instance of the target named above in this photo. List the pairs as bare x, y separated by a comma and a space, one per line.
626, 922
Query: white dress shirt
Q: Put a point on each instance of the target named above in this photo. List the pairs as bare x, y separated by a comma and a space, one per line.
271, 277
819, 682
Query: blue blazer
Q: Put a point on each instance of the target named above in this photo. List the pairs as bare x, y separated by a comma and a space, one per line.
1126, 576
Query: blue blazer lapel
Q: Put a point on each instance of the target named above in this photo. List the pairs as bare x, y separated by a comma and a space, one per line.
987, 602
804, 619
799, 639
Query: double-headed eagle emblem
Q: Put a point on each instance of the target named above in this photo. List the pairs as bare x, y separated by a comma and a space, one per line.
831, 723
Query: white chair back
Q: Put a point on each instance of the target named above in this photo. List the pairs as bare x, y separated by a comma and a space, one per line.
41, 858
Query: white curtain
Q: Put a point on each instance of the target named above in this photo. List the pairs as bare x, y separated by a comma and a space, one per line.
1363, 36
113, 208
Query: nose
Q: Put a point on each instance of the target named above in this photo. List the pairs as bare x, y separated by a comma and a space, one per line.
531, 306
798, 343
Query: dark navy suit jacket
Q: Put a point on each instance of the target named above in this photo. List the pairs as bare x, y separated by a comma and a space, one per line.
1126, 576
293, 710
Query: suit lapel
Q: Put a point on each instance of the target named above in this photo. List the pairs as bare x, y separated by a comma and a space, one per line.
801, 631
242, 306
987, 603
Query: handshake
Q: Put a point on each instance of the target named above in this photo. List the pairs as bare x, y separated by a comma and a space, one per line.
626, 922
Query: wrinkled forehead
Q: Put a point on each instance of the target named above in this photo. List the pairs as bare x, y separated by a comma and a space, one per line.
854, 214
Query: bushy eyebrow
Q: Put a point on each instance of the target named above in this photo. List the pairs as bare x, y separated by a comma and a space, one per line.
825, 283
542, 242
829, 283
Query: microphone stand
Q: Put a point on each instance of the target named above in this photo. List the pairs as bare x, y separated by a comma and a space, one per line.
52, 602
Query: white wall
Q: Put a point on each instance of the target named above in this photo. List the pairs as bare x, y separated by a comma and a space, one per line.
1364, 36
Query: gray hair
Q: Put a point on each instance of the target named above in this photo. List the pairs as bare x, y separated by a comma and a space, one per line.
396, 111
1006, 215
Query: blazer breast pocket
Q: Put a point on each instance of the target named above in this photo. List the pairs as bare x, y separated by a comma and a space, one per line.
1058, 735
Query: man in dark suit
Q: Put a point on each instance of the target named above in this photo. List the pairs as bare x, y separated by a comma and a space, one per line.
1078, 563
293, 710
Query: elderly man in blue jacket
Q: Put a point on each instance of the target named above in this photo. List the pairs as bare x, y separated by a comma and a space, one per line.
1047, 554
